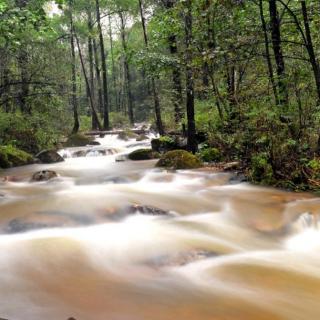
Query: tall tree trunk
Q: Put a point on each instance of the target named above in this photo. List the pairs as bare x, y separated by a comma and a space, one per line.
94, 124
76, 124
106, 124
176, 72
310, 48
117, 108
267, 49
192, 142
126, 70
93, 110
156, 99
98, 75
276, 43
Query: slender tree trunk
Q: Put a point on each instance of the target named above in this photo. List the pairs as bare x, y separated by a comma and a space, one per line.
268, 56
117, 108
106, 124
91, 71
76, 124
127, 70
310, 48
176, 72
156, 99
98, 75
277, 49
192, 143
93, 110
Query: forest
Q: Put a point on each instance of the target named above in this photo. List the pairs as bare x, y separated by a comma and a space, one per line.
232, 80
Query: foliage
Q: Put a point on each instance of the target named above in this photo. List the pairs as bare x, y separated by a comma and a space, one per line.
210, 154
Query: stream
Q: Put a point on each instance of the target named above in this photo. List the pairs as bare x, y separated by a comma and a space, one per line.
122, 240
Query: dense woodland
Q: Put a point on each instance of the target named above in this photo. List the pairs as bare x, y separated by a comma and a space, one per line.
242, 75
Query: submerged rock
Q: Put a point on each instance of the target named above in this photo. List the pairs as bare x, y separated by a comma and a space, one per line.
49, 156
143, 154
142, 137
179, 159
44, 175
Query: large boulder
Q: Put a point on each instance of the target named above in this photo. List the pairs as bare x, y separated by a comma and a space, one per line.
44, 175
143, 154
80, 140
179, 159
12, 157
49, 156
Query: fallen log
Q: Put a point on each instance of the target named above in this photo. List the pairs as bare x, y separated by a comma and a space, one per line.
102, 133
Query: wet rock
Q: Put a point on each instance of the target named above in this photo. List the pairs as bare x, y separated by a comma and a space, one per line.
231, 166
180, 259
142, 137
44, 175
79, 154
146, 210
117, 214
126, 135
79, 140
17, 226
143, 154
179, 159
121, 158
94, 143
49, 156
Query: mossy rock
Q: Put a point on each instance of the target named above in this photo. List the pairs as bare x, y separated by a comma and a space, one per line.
126, 135
143, 154
13, 157
179, 159
164, 144
79, 140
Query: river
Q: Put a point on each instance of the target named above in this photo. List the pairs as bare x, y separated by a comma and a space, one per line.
73, 247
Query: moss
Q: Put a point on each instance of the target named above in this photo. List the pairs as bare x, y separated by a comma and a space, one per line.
78, 140
179, 159
210, 155
143, 154
12, 157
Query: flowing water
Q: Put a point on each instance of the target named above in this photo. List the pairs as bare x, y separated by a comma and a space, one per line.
72, 247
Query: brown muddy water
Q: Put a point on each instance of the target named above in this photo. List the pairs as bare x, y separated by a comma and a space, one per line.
71, 247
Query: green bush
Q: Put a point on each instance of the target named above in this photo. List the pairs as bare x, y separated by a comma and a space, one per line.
261, 169
163, 144
179, 159
210, 155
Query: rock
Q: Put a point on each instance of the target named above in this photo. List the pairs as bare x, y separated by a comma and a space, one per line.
79, 154
143, 154
180, 259
163, 144
117, 214
11, 157
142, 137
126, 135
49, 156
79, 140
44, 175
231, 166
146, 210
94, 143
179, 159
121, 158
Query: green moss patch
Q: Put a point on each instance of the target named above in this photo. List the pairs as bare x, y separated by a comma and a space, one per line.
143, 154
